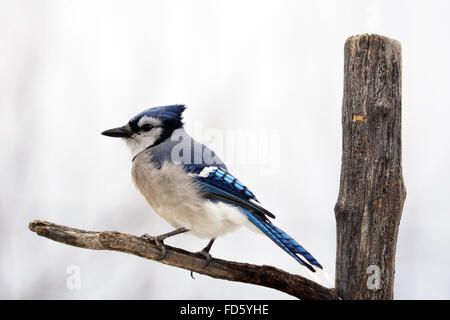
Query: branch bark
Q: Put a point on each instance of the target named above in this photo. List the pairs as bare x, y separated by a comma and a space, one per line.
267, 276
372, 192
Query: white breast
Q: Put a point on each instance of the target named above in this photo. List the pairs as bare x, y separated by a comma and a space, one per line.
173, 194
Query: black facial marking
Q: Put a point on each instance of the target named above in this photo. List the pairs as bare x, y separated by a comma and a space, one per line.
134, 125
168, 127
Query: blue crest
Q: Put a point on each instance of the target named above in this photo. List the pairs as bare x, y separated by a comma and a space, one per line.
173, 112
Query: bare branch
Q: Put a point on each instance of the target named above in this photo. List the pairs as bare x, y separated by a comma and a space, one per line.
266, 276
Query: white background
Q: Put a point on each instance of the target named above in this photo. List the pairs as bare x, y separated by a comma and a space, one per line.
71, 69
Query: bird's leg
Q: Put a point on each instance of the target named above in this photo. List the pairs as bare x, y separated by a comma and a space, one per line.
159, 240
205, 252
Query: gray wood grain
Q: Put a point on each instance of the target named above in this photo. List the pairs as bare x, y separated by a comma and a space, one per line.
372, 192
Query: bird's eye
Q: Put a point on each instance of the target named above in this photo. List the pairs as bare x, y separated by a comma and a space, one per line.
146, 127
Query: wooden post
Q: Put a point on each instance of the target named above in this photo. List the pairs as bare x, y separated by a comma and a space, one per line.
372, 193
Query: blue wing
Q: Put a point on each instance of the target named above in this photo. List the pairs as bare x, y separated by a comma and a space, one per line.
216, 183
220, 178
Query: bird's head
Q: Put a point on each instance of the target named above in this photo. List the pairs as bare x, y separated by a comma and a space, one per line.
150, 127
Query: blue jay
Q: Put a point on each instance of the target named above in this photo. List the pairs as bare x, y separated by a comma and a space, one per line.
190, 187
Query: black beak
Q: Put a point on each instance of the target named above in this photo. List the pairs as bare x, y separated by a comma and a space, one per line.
122, 132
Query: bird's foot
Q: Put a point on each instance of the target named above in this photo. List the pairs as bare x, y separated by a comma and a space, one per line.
159, 241
207, 256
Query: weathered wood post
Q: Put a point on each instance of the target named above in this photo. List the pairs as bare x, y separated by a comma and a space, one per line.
372, 193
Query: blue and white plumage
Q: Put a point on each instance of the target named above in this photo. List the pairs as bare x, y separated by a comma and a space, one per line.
191, 191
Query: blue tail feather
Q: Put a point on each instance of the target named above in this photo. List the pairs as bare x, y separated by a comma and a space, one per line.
284, 241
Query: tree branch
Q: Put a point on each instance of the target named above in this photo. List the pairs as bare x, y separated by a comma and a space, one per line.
266, 276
